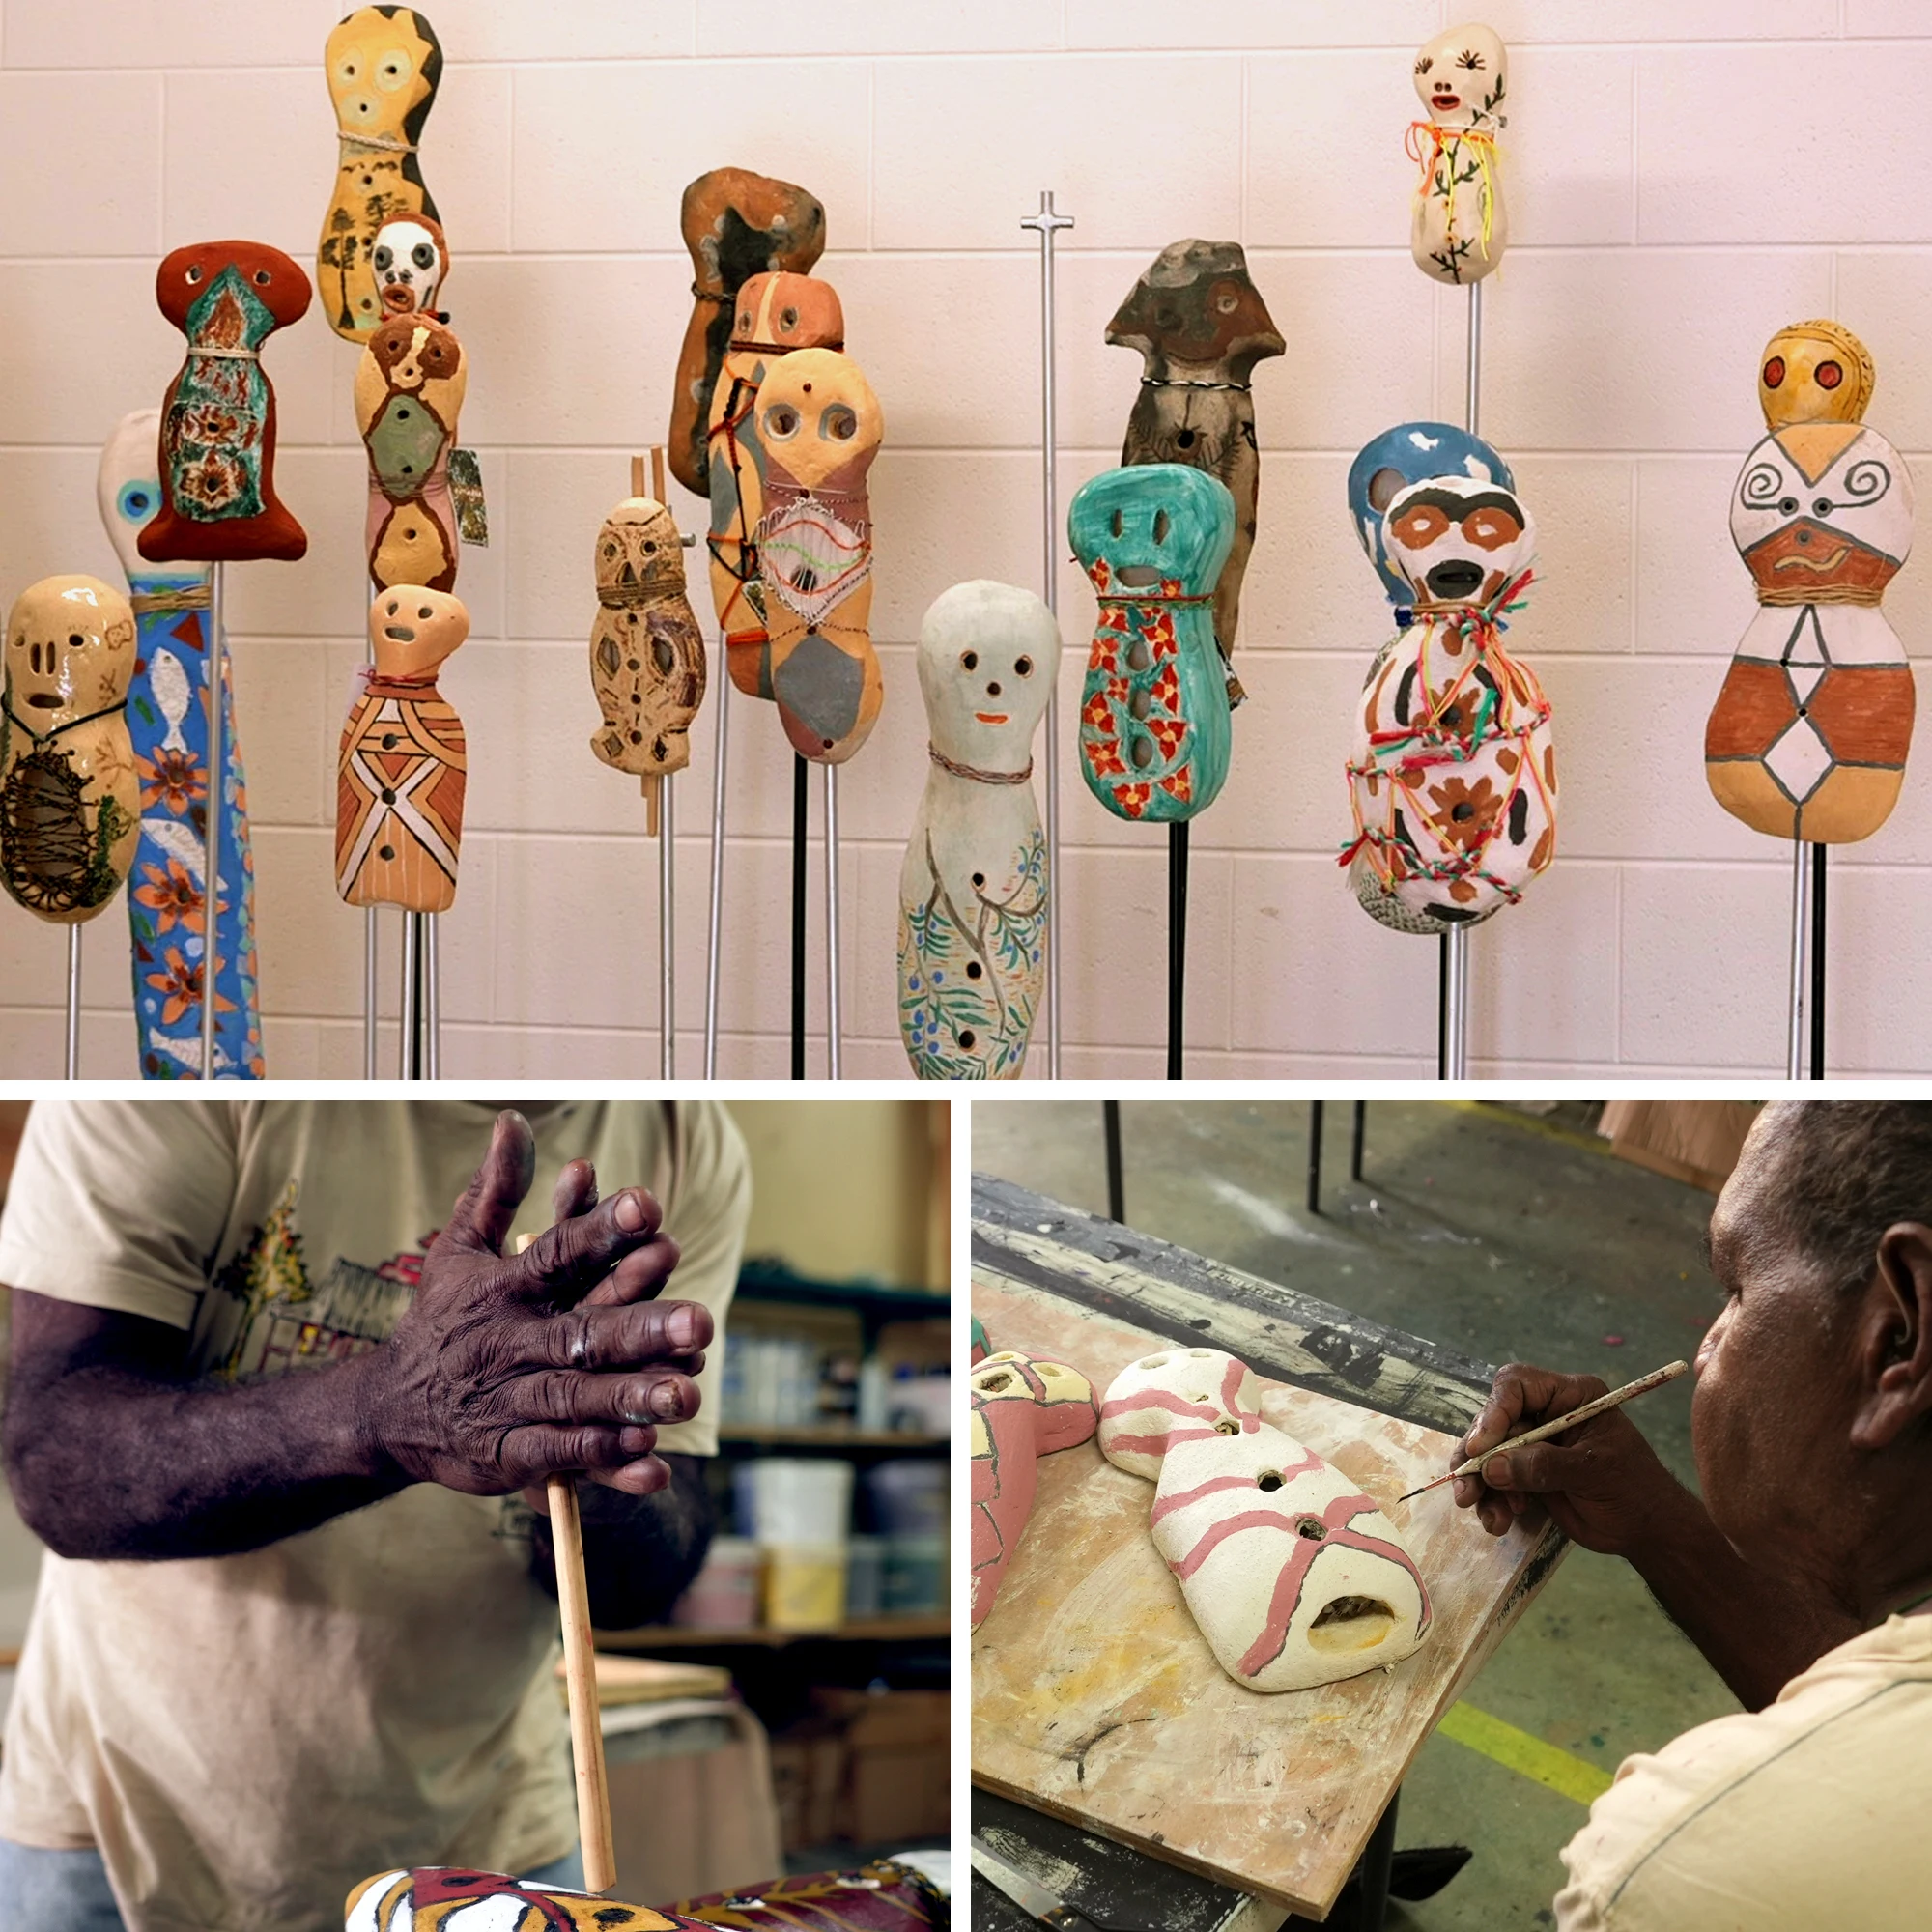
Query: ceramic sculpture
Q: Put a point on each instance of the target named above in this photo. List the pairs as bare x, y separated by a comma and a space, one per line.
882, 1896
411, 260
1411, 452
736, 224
1459, 227
1155, 732
401, 771
1294, 1576
1023, 1408
1200, 326
1453, 778
775, 315
217, 447
408, 392
1810, 732
70, 803
646, 655
820, 426
167, 731
973, 890
384, 64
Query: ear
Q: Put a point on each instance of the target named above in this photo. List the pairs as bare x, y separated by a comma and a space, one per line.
1893, 1339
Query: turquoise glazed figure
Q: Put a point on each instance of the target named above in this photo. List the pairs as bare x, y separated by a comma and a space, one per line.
1154, 726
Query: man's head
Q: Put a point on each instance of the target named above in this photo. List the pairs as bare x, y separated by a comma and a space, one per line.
1814, 1384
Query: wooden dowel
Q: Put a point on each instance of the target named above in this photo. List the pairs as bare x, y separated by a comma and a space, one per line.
658, 471
638, 476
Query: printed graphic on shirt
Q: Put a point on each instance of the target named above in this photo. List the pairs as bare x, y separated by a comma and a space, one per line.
287, 1319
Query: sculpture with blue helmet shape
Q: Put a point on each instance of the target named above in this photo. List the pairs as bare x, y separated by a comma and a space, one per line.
1411, 452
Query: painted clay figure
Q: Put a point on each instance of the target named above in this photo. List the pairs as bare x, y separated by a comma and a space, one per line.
408, 392
819, 425
1411, 452
410, 259
69, 803
972, 891
1201, 326
167, 730
1293, 1575
384, 64
1459, 228
1453, 778
646, 655
218, 502
1809, 734
1154, 733
1023, 1408
775, 315
401, 771
736, 224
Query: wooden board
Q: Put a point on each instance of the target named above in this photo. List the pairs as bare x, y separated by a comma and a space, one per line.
1096, 1698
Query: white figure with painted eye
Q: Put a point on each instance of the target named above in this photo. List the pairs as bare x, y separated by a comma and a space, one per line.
410, 259
1293, 1575
973, 891
1459, 226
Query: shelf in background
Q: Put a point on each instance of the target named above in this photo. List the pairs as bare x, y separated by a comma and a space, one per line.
871, 1630
811, 1438
765, 1280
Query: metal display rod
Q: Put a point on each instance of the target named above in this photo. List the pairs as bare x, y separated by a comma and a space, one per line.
217, 678
1803, 952
831, 1021
722, 686
74, 1003
1046, 225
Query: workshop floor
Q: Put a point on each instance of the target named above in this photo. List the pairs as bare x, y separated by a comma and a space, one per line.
1509, 1238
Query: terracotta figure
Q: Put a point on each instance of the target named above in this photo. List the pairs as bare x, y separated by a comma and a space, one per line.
70, 803
1154, 733
1023, 1408
218, 502
411, 260
1453, 778
384, 64
1809, 734
646, 655
401, 771
1459, 228
736, 224
408, 392
1294, 1576
1201, 326
820, 426
972, 891
775, 315
167, 731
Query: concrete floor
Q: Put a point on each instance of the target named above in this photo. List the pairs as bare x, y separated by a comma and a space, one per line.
1508, 1237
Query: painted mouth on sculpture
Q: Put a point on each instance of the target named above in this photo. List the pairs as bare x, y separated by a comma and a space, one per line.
992, 717
1814, 563
1138, 576
1459, 579
402, 633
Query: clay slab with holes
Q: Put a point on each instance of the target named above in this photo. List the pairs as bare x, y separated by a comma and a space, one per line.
1096, 1698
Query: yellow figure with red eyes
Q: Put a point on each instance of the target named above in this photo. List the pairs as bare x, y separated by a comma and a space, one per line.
1808, 737
1453, 777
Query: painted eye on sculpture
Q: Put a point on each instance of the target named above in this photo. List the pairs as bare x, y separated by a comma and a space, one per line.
1774, 372
781, 422
394, 606
1787, 506
788, 320
1420, 526
425, 612
840, 422
609, 549
262, 278
1117, 523
1828, 375
743, 322
969, 661
650, 550
423, 255
384, 256
1822, 507
1469, 58
1424, 65
1161, 526
1022, 666
194, 274
136, 500
393, 70
1227, 305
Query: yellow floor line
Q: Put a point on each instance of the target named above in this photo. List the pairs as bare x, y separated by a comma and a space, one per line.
1520, 1753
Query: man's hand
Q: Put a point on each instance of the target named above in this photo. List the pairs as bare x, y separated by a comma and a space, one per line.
1601, 1482
506, 1369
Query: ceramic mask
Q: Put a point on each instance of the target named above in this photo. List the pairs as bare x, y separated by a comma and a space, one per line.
409, 387
1814, 371
646, 654
1155, 730
974, 887
1024, 1408
411, 260
1459, 225
1411, 453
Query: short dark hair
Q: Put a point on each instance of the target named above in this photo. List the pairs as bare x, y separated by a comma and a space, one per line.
1845, 1171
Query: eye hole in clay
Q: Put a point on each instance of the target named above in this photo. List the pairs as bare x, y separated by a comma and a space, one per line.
1787, 506
969, 661
1822, 507
194, 274
1151, 1362
1382, 487
609, 549
393, 607
1774, 372
1227, 1425
1022, 666
1201, 1354
384, 256
788, 319
743, 322
968, 1040
840, 422
262, 278
650, 550
1118, 526
781, 422
426, 612
74, 640
423, 255
1268, 1479
1828, 375
1161, 526
1312, 1527
1227, 305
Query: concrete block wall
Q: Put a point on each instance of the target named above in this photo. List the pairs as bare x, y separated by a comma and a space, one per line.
1683, 178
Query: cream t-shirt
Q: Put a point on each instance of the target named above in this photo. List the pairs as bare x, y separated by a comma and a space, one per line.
245, 1737
1808, 1813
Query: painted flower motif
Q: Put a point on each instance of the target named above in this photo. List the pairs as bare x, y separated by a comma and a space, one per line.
173, 780
172, 896
1454, 709
180, 984
1132, 799
1181, 783
1168, 733
1464, 813
1104, 758
1165, 690
1096, 714
210, 482
207, 423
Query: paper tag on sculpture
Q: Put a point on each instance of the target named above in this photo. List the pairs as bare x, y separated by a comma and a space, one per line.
466, 487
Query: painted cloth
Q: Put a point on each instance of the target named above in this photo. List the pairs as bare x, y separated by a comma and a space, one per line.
1808, 1813
245, 1737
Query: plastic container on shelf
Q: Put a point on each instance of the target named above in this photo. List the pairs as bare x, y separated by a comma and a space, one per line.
804, 1585
864, 1576
908, 1496
914, 1584
724, 1595
799, 1499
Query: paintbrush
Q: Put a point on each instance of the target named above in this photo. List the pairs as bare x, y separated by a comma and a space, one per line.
1616, 1397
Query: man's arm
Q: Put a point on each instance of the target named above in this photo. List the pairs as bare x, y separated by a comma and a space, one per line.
640, 1553
502, 1370
1604, 1487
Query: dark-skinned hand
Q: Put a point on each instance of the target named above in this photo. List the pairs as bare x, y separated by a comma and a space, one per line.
509, 1368
1601, 1482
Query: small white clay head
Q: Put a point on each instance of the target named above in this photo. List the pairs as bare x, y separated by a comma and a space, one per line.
988, 657
639, 558
411, 260
1174, 1396
1456, 540
69, 650
127, 487
817, 416
1462, 78
413, 628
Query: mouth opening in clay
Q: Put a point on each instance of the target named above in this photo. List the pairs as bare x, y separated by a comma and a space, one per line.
1351, 1623
993, 1384
1227, 1425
